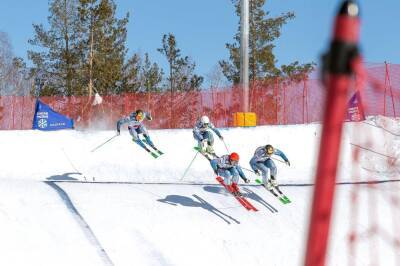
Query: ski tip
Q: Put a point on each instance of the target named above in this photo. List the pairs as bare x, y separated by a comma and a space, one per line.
285, 200
282, 200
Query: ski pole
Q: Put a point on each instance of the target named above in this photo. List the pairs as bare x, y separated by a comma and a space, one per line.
244, 168
226, 147
104, 142
276, 159
187, 169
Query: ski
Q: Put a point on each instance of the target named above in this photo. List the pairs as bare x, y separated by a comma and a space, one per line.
196, 148
153, 147
153, 154
240, 198
206, 155
282, 197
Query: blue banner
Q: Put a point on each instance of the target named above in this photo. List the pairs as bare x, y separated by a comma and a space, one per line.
46, 118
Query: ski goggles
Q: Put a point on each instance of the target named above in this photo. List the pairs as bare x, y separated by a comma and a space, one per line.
139, 117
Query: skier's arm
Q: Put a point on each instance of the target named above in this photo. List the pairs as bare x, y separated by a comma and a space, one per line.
253, 163
214, 166
216, 131
282, 155
121, 122
241, 174
148, 116
196, 131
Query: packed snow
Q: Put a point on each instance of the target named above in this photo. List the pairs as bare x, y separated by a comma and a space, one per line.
62, 204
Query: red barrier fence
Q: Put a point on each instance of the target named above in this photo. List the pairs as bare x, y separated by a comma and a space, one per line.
277, 102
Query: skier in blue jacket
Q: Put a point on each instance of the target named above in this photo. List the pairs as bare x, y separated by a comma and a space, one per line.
227, 166
262, 161
136, 127
203, 135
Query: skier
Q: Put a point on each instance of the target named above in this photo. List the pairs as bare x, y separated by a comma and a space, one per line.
203, 135
227, 166
262, 161
136, 127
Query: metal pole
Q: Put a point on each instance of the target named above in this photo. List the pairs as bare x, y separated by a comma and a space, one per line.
244, 52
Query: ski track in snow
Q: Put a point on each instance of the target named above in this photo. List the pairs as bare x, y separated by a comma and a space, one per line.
82, 223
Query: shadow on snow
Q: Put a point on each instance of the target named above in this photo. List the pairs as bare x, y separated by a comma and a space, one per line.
176, 200
63, 177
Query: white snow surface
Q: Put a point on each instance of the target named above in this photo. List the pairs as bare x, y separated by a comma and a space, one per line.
61, 204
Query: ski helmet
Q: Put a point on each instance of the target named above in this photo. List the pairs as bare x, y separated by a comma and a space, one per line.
234, 157
269, 149
205, 120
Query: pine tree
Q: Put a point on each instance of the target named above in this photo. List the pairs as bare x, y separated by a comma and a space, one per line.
104, 46
152, 75
131, 77
58, 56
172, 53
83, 49
141, 75
263, 31
181, 69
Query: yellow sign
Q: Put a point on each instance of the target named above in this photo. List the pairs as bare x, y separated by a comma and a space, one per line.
241, 119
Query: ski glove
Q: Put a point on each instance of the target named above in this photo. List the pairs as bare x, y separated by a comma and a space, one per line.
247, 180
118, 132
287, 162
257, 172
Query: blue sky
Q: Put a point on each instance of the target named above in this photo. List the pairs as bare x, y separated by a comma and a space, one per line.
203, 27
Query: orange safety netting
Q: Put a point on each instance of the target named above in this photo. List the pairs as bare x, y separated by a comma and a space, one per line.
279, 102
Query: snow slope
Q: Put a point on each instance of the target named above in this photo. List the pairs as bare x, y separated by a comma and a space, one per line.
140, 211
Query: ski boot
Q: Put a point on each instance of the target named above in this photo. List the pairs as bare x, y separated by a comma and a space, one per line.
235, 190
269, 186
273, 181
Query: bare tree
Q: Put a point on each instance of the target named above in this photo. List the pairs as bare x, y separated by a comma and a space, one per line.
216, 78
13, 71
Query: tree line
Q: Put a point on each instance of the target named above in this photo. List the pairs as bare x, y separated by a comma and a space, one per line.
84, 51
